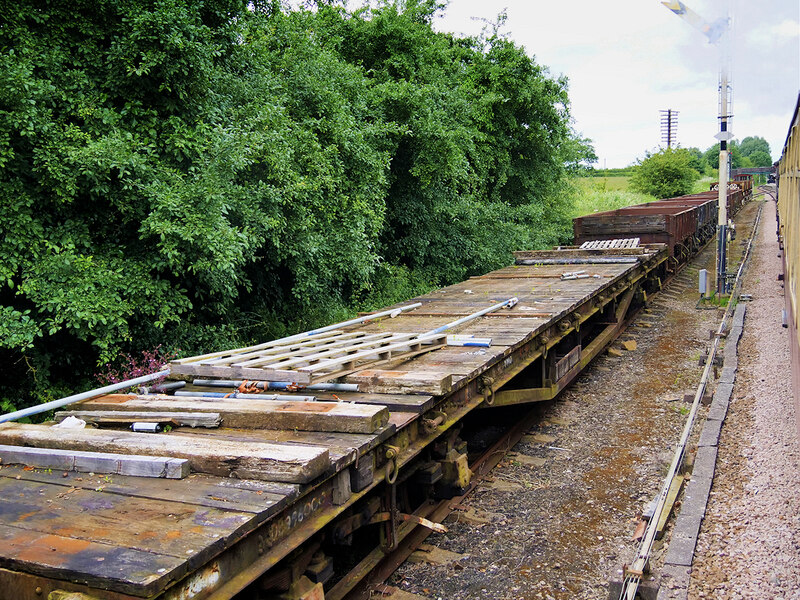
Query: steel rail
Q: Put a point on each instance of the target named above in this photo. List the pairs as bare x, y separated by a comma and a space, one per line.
634, 573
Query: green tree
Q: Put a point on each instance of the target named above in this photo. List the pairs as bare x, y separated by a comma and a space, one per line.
665, 174
697, 160
751, 144
759, 158
480, 146
580, 155
736, 157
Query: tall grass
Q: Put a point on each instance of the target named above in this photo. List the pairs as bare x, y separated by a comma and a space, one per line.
615, 183
598, 194
703, 184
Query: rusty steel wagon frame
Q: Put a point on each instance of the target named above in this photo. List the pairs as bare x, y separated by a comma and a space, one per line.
572, 304
683, 223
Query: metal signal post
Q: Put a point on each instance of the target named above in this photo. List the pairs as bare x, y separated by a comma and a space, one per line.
717, 33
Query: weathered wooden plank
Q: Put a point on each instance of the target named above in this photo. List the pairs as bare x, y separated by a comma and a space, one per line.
403, 382
192, 532
189, 419
228, 372
500, 330
343, 448
99, 565
457, 364
407, 402
257, 414
96, 462
271, 462
198, 489
669, 504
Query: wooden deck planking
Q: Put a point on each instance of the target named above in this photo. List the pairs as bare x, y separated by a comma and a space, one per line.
96, 462
343, 448
402, 378
146, 524
112, 417
93, 563
405, 402
537, 295
458, 360
413, 402
201, 490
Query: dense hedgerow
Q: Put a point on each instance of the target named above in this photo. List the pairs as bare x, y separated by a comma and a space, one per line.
202, 173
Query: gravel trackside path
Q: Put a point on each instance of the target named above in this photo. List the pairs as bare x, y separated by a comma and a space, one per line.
556, 518
749, 544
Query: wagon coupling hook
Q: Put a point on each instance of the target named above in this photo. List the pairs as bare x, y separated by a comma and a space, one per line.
392, 468
485, 386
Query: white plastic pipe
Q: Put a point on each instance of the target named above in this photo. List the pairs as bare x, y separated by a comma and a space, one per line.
40, 408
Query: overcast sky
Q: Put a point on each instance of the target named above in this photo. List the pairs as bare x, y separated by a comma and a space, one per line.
628, 59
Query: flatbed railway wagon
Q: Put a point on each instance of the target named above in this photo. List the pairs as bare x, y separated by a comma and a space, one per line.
288, 469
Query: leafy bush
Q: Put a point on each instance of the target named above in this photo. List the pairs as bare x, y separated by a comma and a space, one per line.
128, 366
200, 174
665, 174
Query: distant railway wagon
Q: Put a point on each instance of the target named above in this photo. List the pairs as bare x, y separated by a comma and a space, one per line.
683, 223
739, 191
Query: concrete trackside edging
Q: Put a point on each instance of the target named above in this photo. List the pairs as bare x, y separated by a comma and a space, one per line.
674, 580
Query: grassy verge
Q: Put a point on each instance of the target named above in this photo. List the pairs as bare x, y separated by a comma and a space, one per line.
598, 194
702, 185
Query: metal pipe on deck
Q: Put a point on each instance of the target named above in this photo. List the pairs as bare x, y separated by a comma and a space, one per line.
507, 303
215, 395
162, 388
278, 385
40, 408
